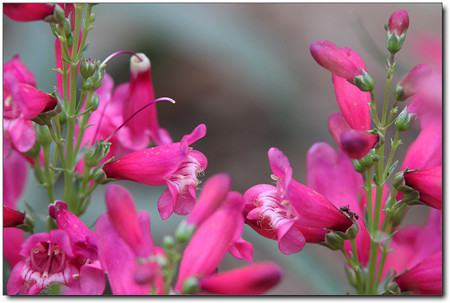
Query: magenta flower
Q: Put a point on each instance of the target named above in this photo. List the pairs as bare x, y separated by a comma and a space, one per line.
174, 164
428, 182
290, 212
21, 97
214, 192
253, 279
212, 240
334, 59
47, 259
144, 128
25, 12
350, 127
425, 278
12, 217
413, 82
398, 22
125, 219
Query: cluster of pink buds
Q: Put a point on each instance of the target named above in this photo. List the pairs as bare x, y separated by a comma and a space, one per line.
90, 131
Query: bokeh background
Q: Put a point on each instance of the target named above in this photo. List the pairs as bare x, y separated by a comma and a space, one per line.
244, 70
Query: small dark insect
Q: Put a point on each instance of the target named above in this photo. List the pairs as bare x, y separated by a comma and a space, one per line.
346, 210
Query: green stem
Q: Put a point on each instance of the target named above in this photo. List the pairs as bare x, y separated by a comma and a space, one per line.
48, 174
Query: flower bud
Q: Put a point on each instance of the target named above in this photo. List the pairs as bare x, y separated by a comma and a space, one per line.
398, 22
58, 14
144, 274
93, 103
96, 153
412, 82
403, 121
184, 232
191, 285
364, 82
168, 243
88, 67
43, 136
333, 241
357, 143
26, 12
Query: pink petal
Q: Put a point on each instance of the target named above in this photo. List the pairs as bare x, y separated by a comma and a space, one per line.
280, 166
242, 250
15, 281
22, 134
12, 243
92, 279
290, 239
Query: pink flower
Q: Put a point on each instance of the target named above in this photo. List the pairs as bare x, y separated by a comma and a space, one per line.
214, 192
144, 128
334, 59
175, 164
291, 213
47, 259
425, 278
413, 81
12, 217
125, 219
398, 22
253, 279
428, 182
21, 97
25, 12
119, 259
350, 127
212, 240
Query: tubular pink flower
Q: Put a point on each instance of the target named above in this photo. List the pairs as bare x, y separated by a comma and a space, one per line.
12, 217
175, 164
291, 213
253, 279
428, 182
25, 12
47, 260
32, 102
426, 150
82, 238
145, 127
334, 59
124, 217
425, 278
211, 241
398, 22
355, 143
118, 260
353, 103
413, 81
213, 193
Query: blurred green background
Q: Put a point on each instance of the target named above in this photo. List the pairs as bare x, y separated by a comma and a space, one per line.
244, 70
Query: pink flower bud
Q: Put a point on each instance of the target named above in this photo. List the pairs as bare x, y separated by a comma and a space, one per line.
428, 182
124, 218
25, 12
12, 217
413, 81
213, 194
334, 59
425, 278
253, 279
399, 22
355, 143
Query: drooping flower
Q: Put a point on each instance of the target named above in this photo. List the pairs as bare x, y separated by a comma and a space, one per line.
350, 127
334, 59
25, 12
290, 212
413, 82
175, 164
428, 182
12, 217
253, 279
21, 97
425, 278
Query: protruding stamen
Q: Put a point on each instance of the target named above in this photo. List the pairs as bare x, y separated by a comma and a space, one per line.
118, 53
162, 99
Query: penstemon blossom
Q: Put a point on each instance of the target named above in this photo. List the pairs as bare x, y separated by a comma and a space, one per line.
91, 131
